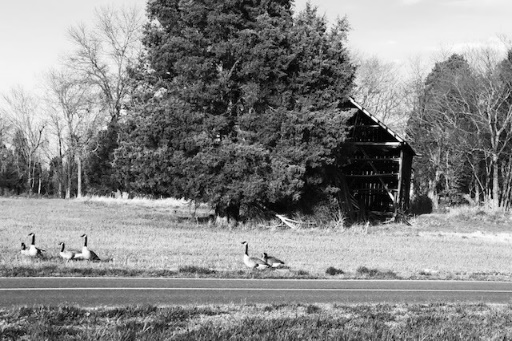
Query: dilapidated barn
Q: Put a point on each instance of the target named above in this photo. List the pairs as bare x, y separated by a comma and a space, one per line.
376, 167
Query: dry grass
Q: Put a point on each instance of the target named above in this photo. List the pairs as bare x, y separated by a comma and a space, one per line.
260, 322
155, 237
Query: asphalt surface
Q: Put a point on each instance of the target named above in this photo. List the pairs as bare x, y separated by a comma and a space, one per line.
101, 291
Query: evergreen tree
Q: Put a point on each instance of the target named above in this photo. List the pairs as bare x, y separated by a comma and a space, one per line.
98, 170
237, 105
8, 170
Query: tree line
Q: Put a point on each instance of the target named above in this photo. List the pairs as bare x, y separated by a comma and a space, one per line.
461, 125
57, 141
236, 103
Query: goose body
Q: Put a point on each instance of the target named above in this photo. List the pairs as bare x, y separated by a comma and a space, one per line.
253, 262
34, 251
86, 253
66, 254
272, 261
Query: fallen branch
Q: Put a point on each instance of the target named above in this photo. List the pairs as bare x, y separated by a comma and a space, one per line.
289, 222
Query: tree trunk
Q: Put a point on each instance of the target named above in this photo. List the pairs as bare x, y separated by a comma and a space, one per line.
477, 193
68, 187
432, 190
495, 183
79, 177
61, 176
29, 171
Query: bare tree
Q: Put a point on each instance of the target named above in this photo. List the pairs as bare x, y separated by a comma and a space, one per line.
466, 124
102, 57
4, 128
104, 53
57, 127
382, 90
488, 106
22, 112
75, 118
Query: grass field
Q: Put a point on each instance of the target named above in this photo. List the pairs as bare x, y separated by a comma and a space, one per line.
260, 322
154, 238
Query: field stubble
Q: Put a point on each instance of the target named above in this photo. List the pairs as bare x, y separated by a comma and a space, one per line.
153, 237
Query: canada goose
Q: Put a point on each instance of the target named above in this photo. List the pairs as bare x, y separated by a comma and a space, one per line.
24, 250
272, 261
66, 254
86, 253
253, 262
34, 251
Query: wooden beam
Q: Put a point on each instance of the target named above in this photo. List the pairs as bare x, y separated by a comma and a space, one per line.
365, 159
400, 179
386, 175
364, 126
374, 144
375, 190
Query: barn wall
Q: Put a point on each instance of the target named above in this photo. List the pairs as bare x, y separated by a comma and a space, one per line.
376, 167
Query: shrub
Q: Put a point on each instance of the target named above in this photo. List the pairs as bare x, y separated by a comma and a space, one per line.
421, 205
333, 271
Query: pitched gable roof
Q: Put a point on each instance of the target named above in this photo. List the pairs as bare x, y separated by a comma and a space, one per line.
394, 135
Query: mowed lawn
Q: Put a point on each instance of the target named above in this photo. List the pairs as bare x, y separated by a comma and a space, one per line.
150, 235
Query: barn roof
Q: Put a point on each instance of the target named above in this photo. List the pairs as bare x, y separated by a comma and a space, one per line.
394, 135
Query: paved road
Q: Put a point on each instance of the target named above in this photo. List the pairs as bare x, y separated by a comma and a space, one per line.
168, 291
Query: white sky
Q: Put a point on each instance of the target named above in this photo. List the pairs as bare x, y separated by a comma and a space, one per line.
33, 33
400, 30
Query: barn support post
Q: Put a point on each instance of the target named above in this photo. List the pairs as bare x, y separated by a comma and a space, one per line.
400, 192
